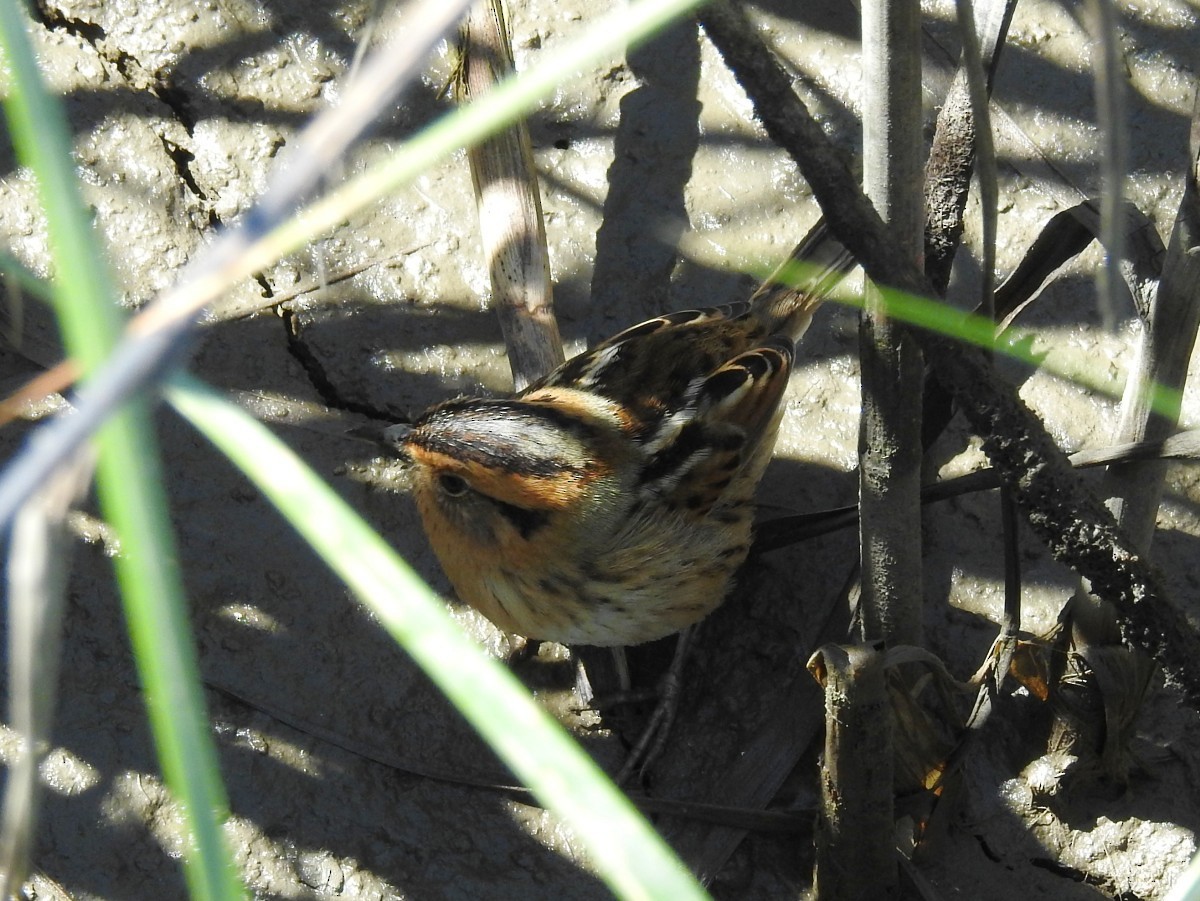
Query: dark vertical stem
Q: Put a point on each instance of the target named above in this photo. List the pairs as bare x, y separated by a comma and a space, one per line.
855, 843
889, 441
1110, 111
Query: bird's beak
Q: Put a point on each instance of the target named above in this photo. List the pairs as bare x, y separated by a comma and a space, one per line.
396, 434
391, 437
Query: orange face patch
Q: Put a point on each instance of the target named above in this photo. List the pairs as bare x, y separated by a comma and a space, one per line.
553, 491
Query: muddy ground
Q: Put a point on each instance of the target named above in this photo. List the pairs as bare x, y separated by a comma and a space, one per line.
179, 113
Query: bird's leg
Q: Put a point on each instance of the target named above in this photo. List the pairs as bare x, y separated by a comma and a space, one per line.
621, 663
654, 735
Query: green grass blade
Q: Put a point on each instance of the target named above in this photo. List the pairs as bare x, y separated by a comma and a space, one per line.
130, 486
89, 319
971, 328
630, 856
1064, 363
129, 481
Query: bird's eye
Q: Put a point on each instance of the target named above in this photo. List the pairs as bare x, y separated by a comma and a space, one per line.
452, 485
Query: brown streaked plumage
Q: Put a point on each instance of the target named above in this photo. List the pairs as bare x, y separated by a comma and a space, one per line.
611, 503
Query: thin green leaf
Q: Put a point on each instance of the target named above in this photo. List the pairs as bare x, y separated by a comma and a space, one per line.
1019, 344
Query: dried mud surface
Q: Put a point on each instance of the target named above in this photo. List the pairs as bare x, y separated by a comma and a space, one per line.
179, 113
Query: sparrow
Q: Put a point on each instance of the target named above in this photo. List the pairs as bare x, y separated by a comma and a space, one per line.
612, 502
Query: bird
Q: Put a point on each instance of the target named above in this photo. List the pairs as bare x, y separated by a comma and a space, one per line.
611, 502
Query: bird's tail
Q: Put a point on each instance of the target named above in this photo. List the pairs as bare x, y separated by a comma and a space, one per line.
790, 296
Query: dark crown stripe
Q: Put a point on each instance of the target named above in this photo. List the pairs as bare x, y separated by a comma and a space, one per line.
474, 407
526, 439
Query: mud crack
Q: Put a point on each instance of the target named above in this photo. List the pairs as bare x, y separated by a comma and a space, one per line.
325, 386
56, 20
